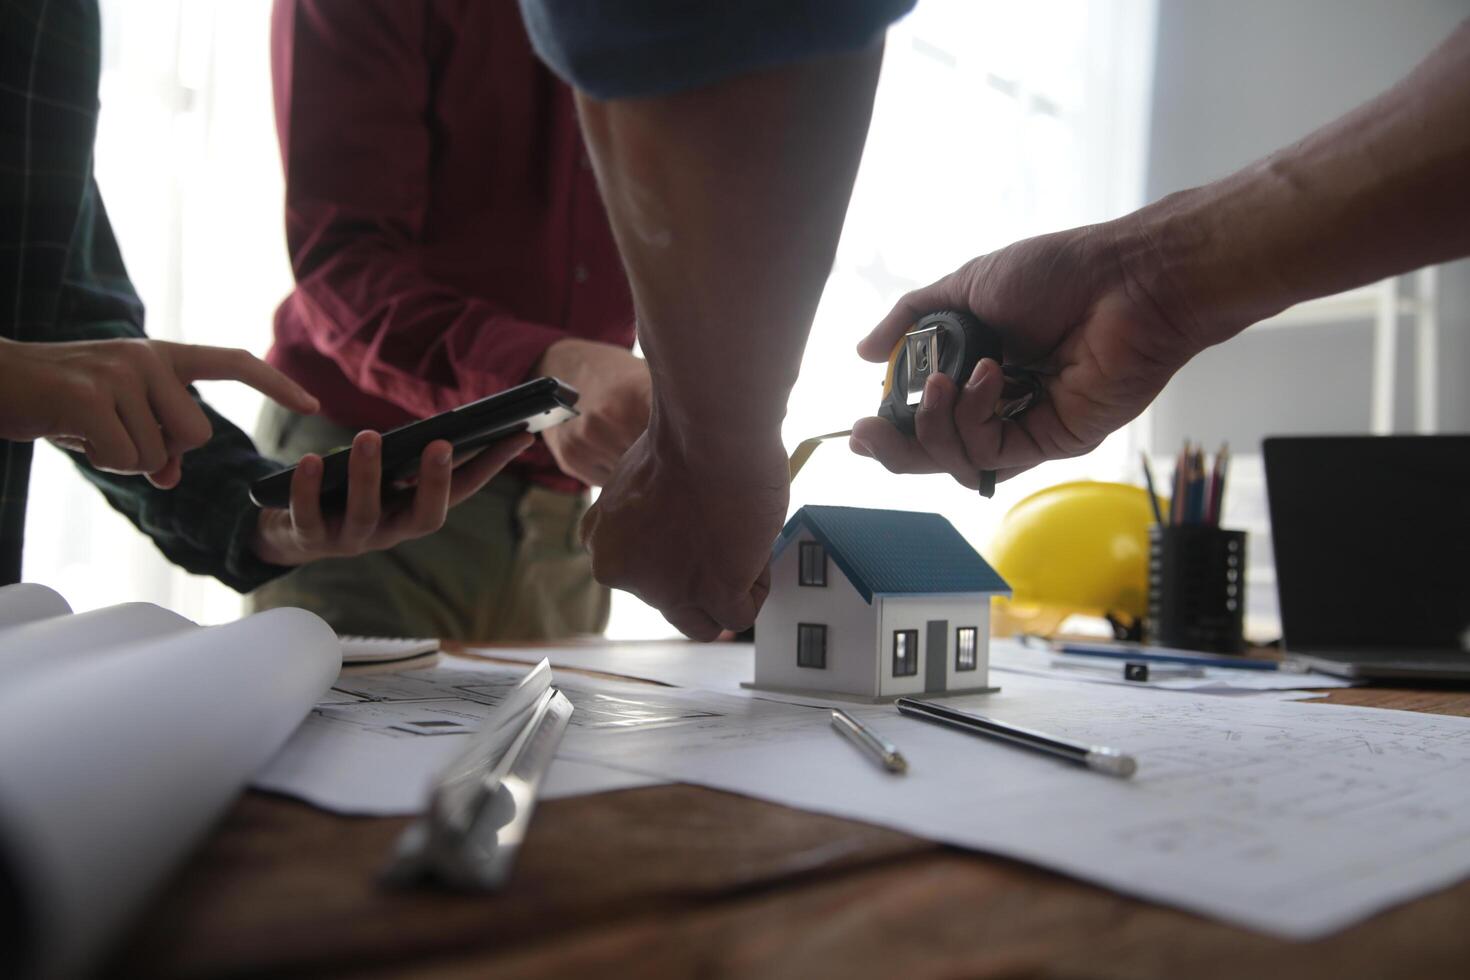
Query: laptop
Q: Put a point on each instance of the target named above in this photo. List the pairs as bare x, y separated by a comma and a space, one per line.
1372, 543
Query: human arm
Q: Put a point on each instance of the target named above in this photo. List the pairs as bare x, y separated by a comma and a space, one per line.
1109, 312
208, 525
206, 522
423, 206
725, 139
726, 203
302, 533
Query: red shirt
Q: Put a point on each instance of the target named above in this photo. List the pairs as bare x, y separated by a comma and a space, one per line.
442, 215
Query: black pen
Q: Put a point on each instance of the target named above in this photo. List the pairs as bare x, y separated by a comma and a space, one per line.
1153, 498
1094, 757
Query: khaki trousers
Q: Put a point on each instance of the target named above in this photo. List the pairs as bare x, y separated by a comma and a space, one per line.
507, 565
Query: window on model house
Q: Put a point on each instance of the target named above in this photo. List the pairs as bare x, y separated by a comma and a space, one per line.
966, 646
811, 645
813, 563
905, 653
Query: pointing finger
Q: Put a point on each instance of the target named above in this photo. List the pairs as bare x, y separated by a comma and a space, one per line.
194, 363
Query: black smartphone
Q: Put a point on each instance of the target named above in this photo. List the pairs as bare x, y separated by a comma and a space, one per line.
531, 407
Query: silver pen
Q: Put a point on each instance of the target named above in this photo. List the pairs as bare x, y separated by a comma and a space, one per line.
884, 752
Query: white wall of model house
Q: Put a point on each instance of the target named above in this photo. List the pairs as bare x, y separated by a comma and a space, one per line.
860, 635
852, 630
937, 669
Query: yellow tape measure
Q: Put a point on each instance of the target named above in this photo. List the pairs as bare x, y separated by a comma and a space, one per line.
947, 342
806, 447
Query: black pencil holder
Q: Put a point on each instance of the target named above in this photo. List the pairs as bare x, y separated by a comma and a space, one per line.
1196, 587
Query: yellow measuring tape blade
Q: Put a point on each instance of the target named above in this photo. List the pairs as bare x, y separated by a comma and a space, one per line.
806, 447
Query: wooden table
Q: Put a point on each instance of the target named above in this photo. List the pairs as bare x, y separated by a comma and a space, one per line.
682, 881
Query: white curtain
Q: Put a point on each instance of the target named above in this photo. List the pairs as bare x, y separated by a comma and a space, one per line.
187, 163
994, 121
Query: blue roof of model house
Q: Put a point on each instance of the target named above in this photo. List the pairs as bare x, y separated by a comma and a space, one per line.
894, 552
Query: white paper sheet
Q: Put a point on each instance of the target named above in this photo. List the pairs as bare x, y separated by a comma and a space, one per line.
47, 644
1294, 819
718, 667
113, 766
375, 742
1011, 657
27, 602
724, 667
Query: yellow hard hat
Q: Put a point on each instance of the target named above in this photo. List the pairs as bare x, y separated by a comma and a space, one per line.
1075, 548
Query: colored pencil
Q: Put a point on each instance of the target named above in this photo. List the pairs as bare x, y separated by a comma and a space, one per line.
1222, 467
1176, 505
1198, 486
1153, 497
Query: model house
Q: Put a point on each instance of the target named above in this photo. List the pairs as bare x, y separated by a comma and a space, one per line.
875, 604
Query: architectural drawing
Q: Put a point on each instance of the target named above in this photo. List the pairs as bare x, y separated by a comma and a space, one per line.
455, 698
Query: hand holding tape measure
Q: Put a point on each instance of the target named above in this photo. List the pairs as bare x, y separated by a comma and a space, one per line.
948, 342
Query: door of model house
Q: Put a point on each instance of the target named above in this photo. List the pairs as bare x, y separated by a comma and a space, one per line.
936, 654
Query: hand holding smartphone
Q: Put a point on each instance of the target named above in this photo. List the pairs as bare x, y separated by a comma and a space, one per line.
530, 407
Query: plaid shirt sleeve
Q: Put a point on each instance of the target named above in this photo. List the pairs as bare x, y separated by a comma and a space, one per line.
62, 278
207, 523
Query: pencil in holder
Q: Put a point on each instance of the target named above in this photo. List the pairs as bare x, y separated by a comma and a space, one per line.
1196, 587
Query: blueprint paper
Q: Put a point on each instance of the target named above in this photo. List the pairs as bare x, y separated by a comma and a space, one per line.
1292, 819
112, 766
374, 744
1012, 657
723, 667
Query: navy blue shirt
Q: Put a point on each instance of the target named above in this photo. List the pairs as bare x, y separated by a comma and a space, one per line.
612, 49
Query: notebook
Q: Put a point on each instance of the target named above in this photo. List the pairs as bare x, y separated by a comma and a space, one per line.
374, 654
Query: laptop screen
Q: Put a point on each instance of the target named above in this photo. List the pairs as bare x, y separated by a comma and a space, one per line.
1372, 541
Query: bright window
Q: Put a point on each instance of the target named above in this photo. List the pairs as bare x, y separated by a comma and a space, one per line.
994, 121
190, 172
905, 653
966, 642
813, 564
811, 646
